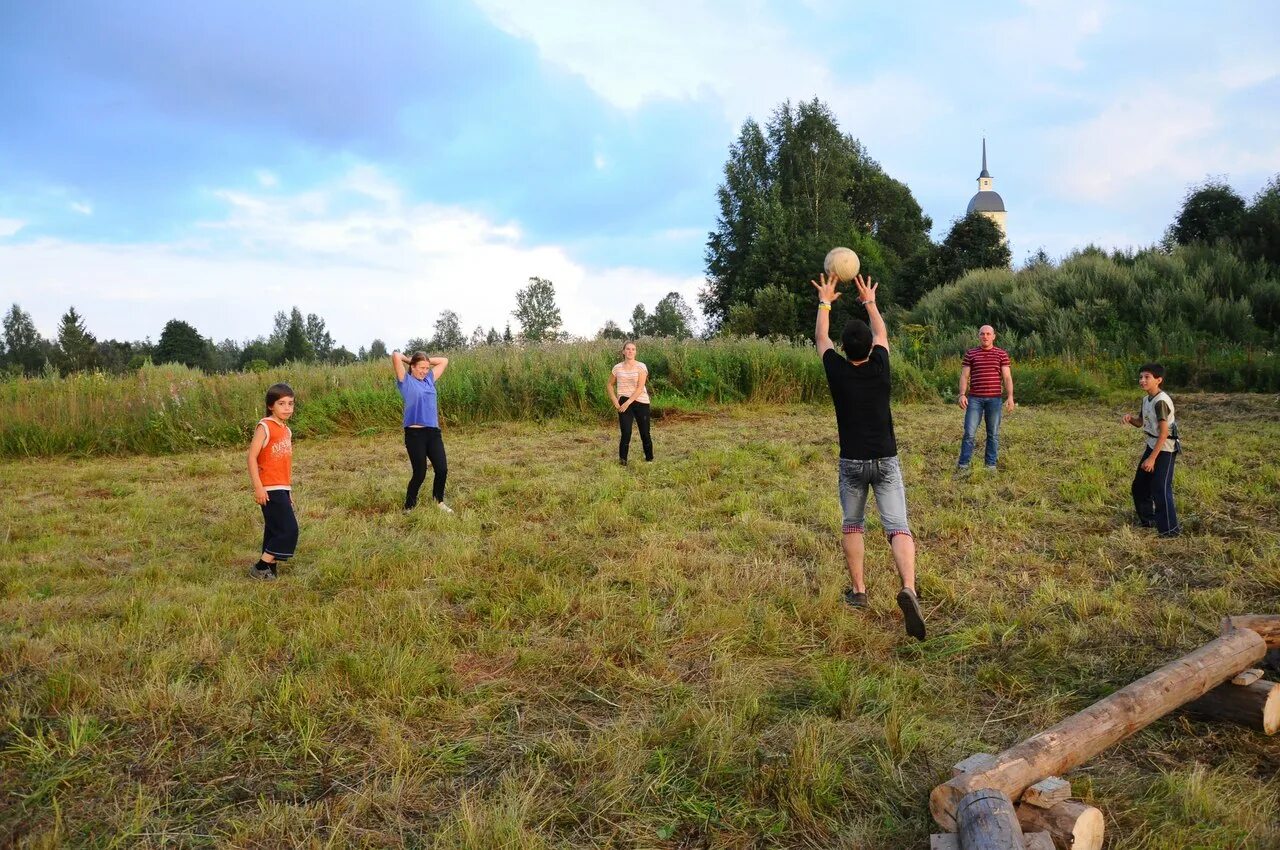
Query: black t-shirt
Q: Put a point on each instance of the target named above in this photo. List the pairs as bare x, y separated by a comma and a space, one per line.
861, 397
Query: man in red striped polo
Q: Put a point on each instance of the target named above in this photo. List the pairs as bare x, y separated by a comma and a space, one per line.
984, 372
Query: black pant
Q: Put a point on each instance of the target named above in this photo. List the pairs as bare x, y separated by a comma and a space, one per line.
280, 526
639, 412
423, 443
1153, 495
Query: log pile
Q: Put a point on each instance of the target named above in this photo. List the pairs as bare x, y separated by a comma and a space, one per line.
1016, 800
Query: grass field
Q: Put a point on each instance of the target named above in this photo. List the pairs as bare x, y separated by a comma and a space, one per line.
593, 656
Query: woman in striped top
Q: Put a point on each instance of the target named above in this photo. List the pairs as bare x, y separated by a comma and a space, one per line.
631, 399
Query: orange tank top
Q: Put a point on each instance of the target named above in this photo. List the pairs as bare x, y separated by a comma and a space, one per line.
275, 460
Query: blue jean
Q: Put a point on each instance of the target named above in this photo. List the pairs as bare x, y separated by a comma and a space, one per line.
978, 407
1153, 495
884, 476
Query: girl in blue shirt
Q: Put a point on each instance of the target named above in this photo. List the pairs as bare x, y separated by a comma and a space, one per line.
422, 437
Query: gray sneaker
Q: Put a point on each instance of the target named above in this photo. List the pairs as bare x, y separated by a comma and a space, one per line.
268, 574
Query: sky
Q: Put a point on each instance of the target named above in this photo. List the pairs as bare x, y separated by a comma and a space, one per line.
380, 162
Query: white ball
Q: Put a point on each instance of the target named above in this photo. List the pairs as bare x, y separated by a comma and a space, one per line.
842, 263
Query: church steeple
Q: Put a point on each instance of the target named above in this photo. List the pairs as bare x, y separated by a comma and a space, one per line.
987, 201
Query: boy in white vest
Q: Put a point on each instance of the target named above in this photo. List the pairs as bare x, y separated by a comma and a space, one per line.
1153, 482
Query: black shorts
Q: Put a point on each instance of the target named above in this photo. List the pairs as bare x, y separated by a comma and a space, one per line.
280, 534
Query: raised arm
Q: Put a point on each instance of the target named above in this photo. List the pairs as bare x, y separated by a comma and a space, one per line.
826, 286
398, 362
438, 365
867, 298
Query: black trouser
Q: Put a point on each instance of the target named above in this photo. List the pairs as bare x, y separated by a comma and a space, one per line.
639, 412
423, 443
1153, 495
280, 526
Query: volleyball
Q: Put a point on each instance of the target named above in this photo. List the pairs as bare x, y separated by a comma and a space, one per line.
842, 263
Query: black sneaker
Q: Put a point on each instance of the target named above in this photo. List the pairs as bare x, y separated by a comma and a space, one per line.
911, 615
269, 574
854, 599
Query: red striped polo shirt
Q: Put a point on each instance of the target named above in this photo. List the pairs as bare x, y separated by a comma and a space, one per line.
984, 370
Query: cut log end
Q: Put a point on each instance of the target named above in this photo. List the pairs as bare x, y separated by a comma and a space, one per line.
1073, 825
1255, 706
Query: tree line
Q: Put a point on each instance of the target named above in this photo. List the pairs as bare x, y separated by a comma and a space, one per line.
297, 338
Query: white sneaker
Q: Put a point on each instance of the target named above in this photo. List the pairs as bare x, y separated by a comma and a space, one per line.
442, 506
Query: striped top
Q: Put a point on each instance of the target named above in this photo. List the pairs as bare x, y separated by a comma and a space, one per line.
275, 459
984, 370
629, 378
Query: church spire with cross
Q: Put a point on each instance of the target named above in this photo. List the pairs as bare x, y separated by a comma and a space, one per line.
988, 202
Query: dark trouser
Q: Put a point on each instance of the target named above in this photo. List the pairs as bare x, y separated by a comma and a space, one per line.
1153, 495
280, 531
639, 412
423, 443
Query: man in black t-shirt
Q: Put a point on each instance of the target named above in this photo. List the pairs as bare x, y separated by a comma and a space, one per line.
860, 386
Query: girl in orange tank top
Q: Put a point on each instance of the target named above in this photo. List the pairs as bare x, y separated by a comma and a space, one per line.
271, 471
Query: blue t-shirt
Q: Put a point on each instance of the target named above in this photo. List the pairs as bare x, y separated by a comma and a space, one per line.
419, 400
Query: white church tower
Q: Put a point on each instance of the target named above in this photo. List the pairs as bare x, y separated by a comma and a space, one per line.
987, 201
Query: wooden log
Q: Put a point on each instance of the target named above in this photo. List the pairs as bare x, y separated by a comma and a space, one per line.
1256, 706
1247, 677
1267, 625
986, 820
1031, 841
1085, 734
1047, 792
975, 762
1073, 825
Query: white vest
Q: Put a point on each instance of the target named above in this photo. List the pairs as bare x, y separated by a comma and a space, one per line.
1151, 425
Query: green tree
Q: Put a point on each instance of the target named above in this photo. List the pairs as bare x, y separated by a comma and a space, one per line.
182, 343
378, 350
25, 349
77, 349
297, 348
507, 338
493, 337
1210, 212
317, 336
448, 333
536, 311
671, 317
611, 331
974, 242
1260, 228
791, 193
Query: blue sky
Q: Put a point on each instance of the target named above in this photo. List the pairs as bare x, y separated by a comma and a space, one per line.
379, 162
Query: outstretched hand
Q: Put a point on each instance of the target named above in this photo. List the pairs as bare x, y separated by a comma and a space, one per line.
826, 286
866, 289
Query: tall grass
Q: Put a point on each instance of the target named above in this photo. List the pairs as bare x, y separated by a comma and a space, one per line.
172, 408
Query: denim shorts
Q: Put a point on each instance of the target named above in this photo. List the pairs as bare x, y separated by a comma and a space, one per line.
884, 475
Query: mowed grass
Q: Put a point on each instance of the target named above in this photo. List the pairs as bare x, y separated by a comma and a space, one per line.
593, 656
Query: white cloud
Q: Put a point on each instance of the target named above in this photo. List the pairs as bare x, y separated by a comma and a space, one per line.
10, 226
1153, 137
82, 207
738, 53
382, 267
1047, 33
267, 179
